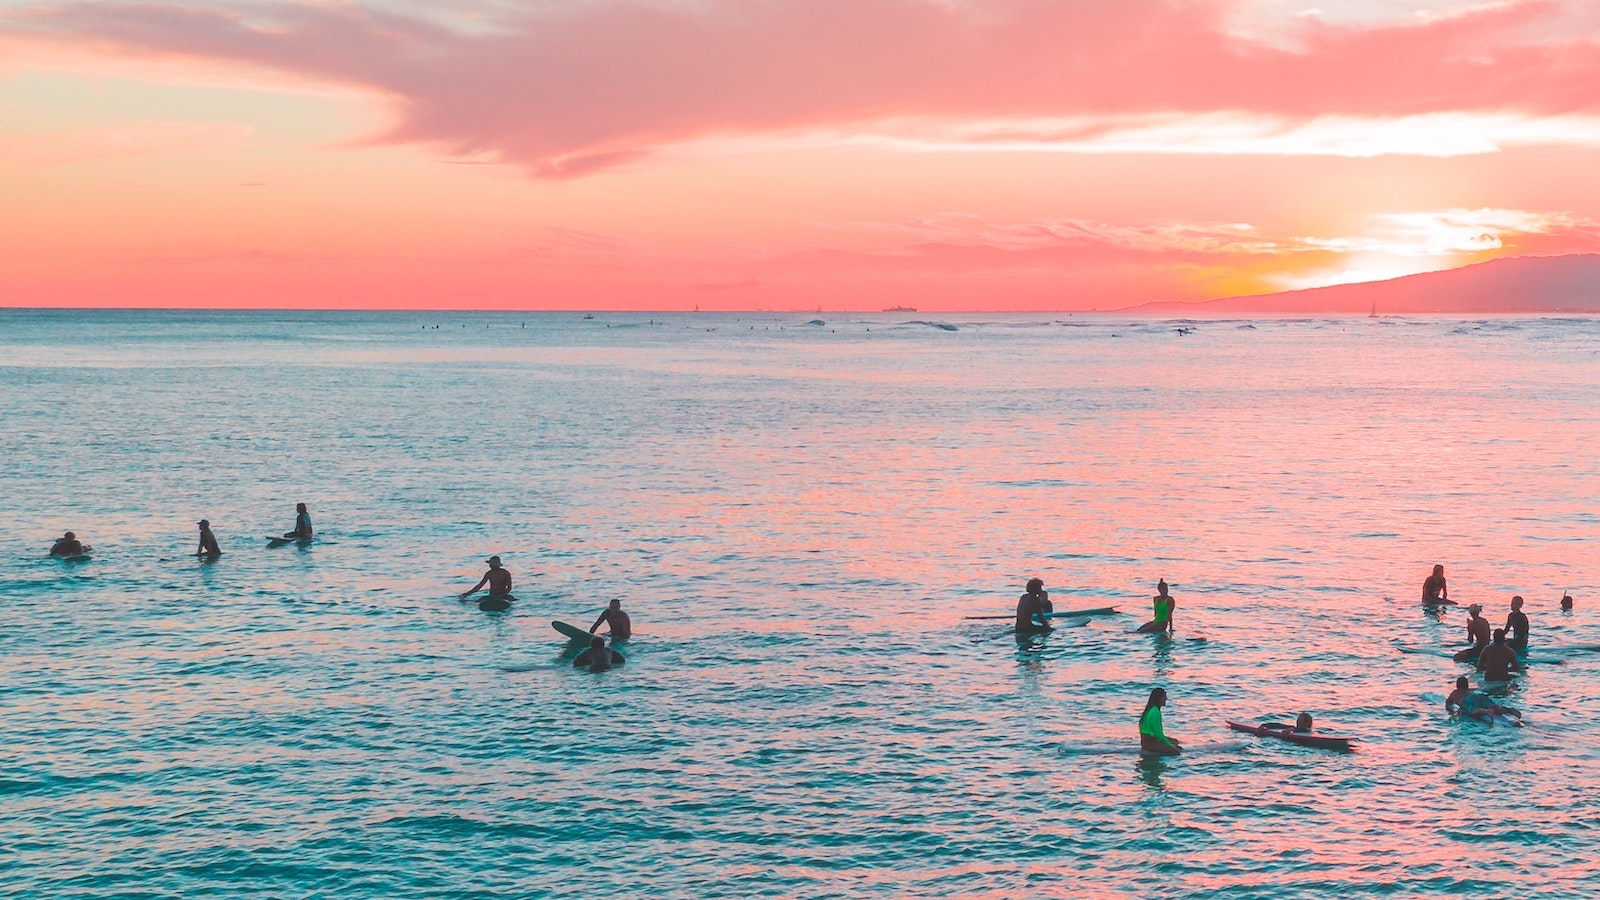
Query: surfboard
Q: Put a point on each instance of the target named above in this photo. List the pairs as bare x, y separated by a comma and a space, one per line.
573, 632
496, 603
1059, 614
75, 558
280, 541
1287, 733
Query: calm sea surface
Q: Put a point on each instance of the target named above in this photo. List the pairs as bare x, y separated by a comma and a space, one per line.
799, 517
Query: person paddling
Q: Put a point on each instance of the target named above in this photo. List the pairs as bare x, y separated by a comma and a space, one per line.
1153, 740
598, 657
498, 579
1164, 604
69, 545
1517, 627
1498, 660
208, 542
621, 625
1477, 634
1475, 704
1434, 590
302, 524
1033, 608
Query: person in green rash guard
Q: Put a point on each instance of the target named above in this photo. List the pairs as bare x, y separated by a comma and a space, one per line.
1162, 623
1153, 741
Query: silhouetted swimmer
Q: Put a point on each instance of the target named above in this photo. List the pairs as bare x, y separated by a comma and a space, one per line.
1033, 608
1498, 660
1475, 704
302, 524
69, 545
497, 578
1302, 723
1566, 602
621, 625
1153, 740
598, 657
208, 541
1517, 626
1477, 634
1435, 591
1164, 604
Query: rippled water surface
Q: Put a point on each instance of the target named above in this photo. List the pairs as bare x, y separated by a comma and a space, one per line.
799, 518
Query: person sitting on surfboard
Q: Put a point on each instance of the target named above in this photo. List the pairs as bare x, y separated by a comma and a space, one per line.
1034, 608
621, 625
1498, 660
69, 545
598, 657
1434, 590
497, 578
1474, 704
1164, 604
302, 524
1517, 626
208, 541
1153, 741
1477, 634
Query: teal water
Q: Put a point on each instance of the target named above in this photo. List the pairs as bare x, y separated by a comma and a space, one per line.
798, 518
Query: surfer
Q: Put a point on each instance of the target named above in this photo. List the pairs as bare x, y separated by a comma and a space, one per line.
1477, 634
1033, 608
1302, 723
1434, 591
1165, 604
1517, 625
69, 545
1475, 704
1498, 660
598, 657
621, 625
302, 524
1153, 741
208, 541
1566, 601
497, 578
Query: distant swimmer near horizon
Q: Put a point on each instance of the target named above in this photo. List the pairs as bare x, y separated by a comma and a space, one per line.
1434, 590
1153, 740
1475, 704
302, 524
1034, 608
208, 542
69, 545
498, 579
598, 657
621, 625
1164, 604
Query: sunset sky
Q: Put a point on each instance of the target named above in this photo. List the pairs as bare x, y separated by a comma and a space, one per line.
781, 154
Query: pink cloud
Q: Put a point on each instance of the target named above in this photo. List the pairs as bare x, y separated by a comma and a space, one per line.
569, 89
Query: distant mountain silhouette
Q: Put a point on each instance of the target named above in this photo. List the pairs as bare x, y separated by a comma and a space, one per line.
1516, 284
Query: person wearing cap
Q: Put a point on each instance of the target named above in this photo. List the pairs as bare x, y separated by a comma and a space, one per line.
1434, 590
497, 578
1477, 634
1517, 626
1165, 604
69, 545
1498, 660
598, 657
302, 524
1034, 608
621, 625
208, 541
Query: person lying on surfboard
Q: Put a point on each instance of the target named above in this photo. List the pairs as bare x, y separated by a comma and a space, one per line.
621, 625
1164, 604
1474, 704
302, 524
497, 578
1034, 608
69, 545
598, 657
1434, 591
1302, 723
208, 542
1153, 741
1498, 660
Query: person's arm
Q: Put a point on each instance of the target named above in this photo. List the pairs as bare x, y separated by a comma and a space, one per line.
598, 621
481, 582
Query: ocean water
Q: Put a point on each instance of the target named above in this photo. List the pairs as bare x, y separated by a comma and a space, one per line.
799, 518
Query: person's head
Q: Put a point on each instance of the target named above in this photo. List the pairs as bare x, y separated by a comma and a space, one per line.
493, 561
1303, 722
597, 643
70, 536
205, 524
616, 602
1499, 636
1516, 602
1438, 570
1158, 697
1566, 601
299, 507
1474, 609
1035, 585
1461, 683
1161, 587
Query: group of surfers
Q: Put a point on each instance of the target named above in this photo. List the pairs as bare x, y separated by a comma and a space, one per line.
1034, 610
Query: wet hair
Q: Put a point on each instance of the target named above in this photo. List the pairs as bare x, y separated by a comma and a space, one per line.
1035, 584
1462, 682
1161, 586
1499, 636
1438, 570
616, 602
1566, 601
597, 642
1155, 693
1517, 600
1303, 722
70, 536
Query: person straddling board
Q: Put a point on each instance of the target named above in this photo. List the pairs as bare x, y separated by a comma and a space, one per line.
1517, 627
598, 657
69, 545
1165, 604
1153, 740
497, 578
1498, 660
208, 542
1474, 704
1477, 634
302, 524
1034, 608
621, 625
1434, 590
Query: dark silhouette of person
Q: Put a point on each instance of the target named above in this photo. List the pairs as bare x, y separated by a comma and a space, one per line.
302, 524
621, 625
208, 541
69, 545
1033, 608
598, 657
498, 579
